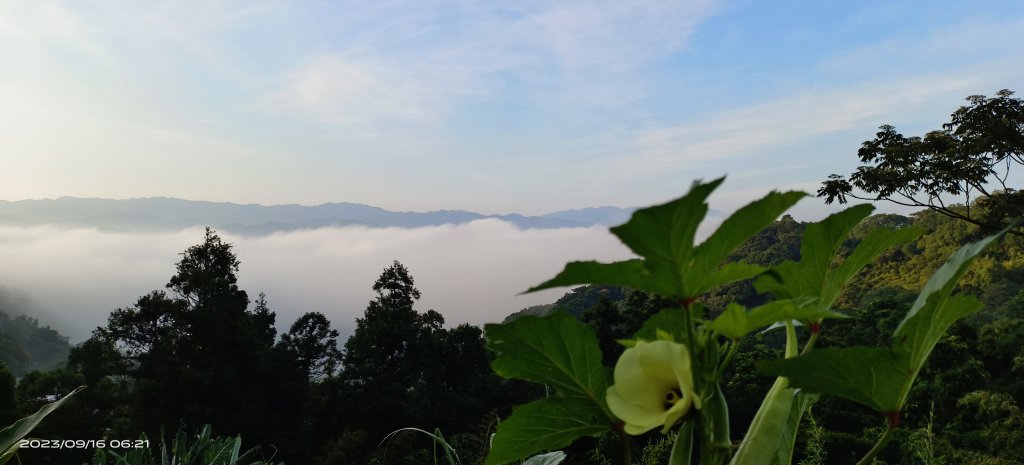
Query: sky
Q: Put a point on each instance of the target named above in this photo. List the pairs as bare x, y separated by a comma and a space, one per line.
497, 107
491, 106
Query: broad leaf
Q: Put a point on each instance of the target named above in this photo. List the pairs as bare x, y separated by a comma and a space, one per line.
630, 273
556, 350
12, 435
665, 233
867, 251
546, 424
813, 275
729, 272
817, 249
669, 320
735, 230
920, 334
867, 375
933, 312
736, 322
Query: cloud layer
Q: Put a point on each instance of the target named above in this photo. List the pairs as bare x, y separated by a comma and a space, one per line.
470, 273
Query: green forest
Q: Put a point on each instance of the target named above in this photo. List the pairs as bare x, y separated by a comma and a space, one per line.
201, 352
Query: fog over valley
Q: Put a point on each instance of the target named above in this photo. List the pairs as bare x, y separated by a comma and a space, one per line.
473, 272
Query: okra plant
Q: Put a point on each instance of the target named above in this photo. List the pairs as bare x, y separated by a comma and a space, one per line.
669, 377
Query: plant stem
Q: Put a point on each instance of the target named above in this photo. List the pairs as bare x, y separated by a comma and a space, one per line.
810, 343
626, 456
691, 344
728, 359
791, 341
882, 441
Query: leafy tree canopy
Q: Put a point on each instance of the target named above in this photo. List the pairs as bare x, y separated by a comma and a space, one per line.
969, 159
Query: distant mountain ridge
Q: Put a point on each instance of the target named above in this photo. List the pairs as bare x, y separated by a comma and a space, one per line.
163, 213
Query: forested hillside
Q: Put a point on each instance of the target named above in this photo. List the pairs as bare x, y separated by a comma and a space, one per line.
24, 344
202, 351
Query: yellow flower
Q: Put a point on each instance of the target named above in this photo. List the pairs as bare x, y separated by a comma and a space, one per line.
653, 386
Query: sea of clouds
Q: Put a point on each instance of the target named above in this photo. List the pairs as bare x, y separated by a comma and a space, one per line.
470, 273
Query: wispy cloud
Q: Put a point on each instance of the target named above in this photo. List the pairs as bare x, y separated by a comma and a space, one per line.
345, 91
582, 52
792, 119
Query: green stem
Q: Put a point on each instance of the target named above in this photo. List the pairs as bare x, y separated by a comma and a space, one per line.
688, 322
691, 344
791, 341
728, 359
882, 441
810, 344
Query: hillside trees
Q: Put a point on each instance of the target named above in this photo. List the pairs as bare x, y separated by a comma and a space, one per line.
969, 158
402, 368
313, 345
197, 353
390, 356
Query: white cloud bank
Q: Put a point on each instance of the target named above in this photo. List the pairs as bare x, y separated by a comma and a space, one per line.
470, 273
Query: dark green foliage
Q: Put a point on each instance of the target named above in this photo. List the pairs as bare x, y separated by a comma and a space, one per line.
26, 346
313, 345
559, 352
402, 368
607, 322
197, 354
8, 406
582, 298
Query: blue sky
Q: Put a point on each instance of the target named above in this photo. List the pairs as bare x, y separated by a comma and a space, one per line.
490, 106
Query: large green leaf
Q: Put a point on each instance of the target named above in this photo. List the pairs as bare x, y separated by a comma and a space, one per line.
920, 334
867, 375
881, 378
867, 251
12, 435
546, 424
665, 233
669, 320
736, 322
630, 273
727, 273
556, 350
818, 245
813, 275
735, 230
817, 248
933, 311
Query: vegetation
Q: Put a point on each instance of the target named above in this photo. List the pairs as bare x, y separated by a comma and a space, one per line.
341, 408
908, 349
970, 157
24, 345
